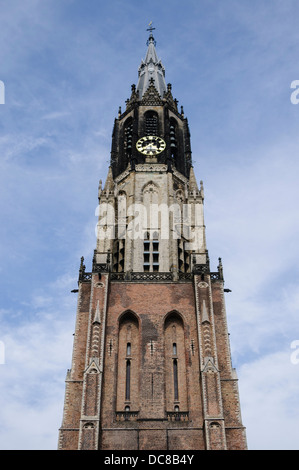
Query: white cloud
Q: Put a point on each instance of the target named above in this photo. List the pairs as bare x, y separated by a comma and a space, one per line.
231, 65
269, 389
38, 347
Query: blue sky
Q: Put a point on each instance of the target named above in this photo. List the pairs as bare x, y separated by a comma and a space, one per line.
67, 66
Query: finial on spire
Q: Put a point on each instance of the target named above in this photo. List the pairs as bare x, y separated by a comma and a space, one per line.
220, 269
151, 28
151, 37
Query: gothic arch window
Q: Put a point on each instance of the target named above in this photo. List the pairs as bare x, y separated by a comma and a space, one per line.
150, 189
88, 426
128, 137
214, 425
175, 363
151, 123
173, 137
128, 362
155, 235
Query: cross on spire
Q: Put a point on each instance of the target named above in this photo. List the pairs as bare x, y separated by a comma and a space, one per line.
151, 28
151, 37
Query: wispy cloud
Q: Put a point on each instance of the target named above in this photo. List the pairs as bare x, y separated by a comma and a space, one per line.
66, 69
37, 353
269, 389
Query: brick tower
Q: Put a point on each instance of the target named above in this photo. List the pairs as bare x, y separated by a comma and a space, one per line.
151, 366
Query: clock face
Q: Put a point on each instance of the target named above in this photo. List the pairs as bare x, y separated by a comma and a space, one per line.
151, 145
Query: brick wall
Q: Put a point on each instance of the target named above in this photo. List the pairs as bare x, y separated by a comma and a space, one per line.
152, 318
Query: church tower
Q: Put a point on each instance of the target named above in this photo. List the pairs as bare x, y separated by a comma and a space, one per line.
151, 366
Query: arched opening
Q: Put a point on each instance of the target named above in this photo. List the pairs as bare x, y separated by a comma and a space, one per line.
173, 138
151, 123
175, 363
128, 137
128, 362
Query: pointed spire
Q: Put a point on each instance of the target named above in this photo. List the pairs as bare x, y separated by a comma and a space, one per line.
109, 184
151, 55
151, 69
220, 269
192, 181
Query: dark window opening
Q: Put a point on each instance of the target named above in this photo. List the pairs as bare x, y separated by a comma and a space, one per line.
173, 138
175, 379
128, 379
155, 258
151, 252
184, 257
151, 123
128, 137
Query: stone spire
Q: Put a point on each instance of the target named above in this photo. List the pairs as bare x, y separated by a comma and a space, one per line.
151, 70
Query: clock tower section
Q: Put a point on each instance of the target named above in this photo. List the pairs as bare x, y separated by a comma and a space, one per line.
151, 366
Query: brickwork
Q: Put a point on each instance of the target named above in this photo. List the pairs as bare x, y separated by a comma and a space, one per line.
205, 413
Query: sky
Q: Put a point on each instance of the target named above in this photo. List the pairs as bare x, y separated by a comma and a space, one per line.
65, 68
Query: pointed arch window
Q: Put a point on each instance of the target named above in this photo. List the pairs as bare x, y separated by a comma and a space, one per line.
173, 137
128, 362
128, 136
175, 363
151, 123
